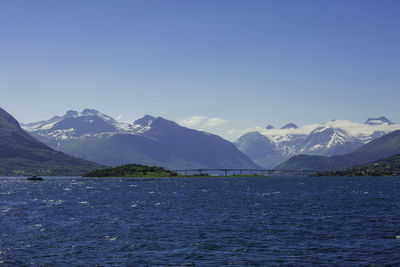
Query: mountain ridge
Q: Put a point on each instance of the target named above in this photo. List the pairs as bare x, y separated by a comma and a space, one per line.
336, 137
148, 140
381, 148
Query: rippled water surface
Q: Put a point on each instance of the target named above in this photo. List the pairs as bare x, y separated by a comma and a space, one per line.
200, 221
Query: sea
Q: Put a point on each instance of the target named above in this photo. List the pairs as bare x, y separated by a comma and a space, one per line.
289, 221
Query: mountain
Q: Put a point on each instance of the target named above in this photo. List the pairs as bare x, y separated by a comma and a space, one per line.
21, 154
325, 141
385, 167
329, 141
259, 148
378, 121
290, 126
336, 137
383, 147
74, 125
94, 136
269, 127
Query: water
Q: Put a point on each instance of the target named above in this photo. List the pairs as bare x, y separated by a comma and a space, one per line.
200, 221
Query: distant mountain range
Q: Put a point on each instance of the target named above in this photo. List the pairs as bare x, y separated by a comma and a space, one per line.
270, 147
21, 154
97, 137
380, 148
94, 136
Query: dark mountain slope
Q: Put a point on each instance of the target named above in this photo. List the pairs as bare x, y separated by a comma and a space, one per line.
20, 153
385, 167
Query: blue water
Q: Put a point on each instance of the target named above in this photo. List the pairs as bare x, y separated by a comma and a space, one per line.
200, 221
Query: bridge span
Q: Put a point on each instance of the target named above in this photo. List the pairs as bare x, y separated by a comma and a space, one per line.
229, 172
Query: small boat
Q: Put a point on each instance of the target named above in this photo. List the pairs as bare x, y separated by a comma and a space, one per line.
34, 178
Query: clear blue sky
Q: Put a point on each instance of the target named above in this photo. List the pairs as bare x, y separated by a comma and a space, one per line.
248, 62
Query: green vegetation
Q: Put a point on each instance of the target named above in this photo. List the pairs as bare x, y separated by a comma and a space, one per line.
21, 154
385, 167
132, 170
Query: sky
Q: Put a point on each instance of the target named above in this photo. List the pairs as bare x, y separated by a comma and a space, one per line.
220, 66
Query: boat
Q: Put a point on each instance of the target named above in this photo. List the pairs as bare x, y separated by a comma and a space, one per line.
34, 178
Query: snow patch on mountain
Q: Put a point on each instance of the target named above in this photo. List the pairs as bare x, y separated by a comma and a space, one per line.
40, 126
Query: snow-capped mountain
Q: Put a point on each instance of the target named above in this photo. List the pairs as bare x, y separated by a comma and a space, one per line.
74, 125
150, 140
335, 137
378, 149
329, 141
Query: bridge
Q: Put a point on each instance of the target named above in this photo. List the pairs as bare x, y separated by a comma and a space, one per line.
226, 172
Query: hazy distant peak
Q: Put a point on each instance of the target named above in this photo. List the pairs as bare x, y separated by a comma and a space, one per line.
71, 113
84, 113
251, 135
145, 121
290, 126
269, 127
160, 121
378, 121
87, 111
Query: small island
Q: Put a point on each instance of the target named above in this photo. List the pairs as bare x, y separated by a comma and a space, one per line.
132, 170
